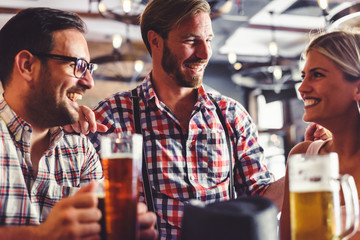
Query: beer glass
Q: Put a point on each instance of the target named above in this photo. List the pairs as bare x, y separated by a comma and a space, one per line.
315, 213
100, 193
121, 159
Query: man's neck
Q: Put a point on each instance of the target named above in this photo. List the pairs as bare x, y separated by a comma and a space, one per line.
180, 100
170, 93
39, 143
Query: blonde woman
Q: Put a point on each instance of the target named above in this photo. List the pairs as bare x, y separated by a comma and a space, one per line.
331, 94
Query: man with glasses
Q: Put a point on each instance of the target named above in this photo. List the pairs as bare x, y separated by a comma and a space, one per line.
46, 175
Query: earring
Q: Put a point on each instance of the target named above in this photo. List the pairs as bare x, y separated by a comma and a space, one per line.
358, 106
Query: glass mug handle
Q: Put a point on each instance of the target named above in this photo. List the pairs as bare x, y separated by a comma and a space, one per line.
351, 206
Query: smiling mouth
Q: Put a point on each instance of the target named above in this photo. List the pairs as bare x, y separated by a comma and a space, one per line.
196, 67
74, 96
311, 102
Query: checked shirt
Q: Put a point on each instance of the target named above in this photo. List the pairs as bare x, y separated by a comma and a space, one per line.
191, 164
69, 163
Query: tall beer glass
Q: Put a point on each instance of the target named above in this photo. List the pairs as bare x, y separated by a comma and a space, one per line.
121, 159
100, 192
314, 184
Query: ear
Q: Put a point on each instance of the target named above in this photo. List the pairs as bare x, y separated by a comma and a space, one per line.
24, 64
155, 40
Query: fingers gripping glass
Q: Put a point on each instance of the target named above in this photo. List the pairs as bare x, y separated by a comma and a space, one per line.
80, 67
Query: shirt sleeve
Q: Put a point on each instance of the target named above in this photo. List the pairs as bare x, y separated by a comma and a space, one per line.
115, 113
251, 174
92, 169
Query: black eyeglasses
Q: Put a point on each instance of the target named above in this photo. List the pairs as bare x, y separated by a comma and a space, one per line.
80, 67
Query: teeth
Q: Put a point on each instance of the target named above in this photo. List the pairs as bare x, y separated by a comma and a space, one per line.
74, 96
195, 67
310, 102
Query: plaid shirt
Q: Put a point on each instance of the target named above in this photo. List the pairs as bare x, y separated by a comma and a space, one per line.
189, 165
69, 163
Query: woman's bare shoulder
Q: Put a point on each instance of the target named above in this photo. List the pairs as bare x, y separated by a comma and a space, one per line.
300, 148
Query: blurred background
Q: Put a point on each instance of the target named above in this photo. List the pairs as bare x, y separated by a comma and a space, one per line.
256, 54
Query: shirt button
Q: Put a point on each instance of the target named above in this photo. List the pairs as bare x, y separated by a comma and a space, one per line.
26, 127
191, 177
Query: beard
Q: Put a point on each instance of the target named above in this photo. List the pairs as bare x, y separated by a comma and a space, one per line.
46, 107
171, 66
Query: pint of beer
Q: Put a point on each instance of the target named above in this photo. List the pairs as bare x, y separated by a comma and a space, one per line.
314, 184
121, 160
100, 192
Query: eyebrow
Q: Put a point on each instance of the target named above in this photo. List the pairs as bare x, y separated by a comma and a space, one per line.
316, 69
196, 36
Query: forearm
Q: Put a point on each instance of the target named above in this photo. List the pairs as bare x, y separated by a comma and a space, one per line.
21, 233
275, 192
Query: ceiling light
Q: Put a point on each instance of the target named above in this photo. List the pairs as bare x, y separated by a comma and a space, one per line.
273, 48
237, 66
323, 4
126, 5
117, 41
232, 57
138, 66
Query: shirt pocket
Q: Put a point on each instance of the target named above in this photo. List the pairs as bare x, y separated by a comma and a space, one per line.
212, 157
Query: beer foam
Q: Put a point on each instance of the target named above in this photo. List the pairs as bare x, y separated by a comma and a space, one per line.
323, 186
311, 173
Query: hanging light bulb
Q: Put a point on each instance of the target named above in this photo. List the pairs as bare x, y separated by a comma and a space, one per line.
237, 66
323, 4
273, 48
138, 66
277, 73
126, 4
117, 41
232, 57
102, 8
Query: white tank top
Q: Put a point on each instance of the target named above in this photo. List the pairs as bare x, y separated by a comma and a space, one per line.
314, 147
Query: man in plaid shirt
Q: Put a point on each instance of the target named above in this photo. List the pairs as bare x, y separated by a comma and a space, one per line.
44, 69
184, 140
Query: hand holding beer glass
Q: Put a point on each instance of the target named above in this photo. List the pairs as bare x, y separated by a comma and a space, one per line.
314, 184
121, 159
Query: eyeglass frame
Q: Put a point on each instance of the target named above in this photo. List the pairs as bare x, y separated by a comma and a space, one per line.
89, 66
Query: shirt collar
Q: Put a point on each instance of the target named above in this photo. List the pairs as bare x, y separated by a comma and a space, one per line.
19, 128
150, 94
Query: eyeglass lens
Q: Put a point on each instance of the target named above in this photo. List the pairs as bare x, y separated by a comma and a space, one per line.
81, 67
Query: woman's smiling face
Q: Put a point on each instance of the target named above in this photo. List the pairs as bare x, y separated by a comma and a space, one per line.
325, 91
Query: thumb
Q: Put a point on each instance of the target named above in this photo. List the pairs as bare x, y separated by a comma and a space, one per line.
101, 127
91, 187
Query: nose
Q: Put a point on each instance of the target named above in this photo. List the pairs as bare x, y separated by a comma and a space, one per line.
204, 50
304, 86
87, 81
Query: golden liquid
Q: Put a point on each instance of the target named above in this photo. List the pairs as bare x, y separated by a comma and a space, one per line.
312, 216
121, 198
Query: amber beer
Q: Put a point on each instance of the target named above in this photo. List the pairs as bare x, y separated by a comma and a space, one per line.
121, 196
312, 215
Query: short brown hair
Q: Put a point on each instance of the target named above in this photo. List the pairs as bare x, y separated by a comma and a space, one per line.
162, 15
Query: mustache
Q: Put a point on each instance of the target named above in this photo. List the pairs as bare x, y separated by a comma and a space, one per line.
77, 89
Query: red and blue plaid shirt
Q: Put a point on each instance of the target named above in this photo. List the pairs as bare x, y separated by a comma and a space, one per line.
69, 163
189, 165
